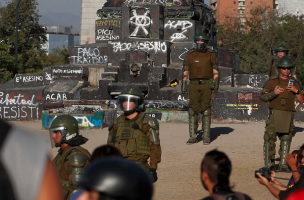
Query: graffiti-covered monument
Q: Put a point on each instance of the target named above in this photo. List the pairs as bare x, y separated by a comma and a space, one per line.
141, 43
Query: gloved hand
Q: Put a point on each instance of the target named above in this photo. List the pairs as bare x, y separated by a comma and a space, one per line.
214, 93
153, 174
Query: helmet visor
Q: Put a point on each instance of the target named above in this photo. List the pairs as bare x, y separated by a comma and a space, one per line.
52, 132
128, 102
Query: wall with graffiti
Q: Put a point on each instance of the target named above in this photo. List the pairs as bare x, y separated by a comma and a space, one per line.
99, 119
20, 104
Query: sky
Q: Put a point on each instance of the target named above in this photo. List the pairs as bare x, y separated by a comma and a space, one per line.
59, 6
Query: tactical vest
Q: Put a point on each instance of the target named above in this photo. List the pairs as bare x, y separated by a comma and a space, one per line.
284, 101
201, 66
130, 141
59, 162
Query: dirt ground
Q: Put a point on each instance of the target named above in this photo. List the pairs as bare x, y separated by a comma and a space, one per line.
178, 173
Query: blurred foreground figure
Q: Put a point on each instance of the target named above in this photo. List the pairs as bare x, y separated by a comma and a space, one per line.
25, 168
215, 172
116, 179
71, 159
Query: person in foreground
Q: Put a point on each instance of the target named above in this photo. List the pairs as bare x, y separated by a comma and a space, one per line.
116, 179
71, 159
215, 172
134, 133
26, 172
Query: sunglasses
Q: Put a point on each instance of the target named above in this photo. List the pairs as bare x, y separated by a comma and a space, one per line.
284, 68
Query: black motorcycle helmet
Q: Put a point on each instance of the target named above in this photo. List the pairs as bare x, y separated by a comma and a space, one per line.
118, 179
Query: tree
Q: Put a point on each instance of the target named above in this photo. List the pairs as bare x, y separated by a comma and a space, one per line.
31, 36
6, 64
255, 40
58, 56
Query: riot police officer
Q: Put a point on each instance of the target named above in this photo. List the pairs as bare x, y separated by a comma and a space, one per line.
279, 52
71, 159
280, 91
200, 66
134, 133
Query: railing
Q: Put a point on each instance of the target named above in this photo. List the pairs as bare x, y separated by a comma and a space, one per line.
61, 30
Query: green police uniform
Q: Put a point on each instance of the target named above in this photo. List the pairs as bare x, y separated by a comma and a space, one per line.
137, 144
71, 163
281, 114
137, 138
200, 64
72, 159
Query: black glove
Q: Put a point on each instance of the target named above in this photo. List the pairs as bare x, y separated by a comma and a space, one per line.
153, 174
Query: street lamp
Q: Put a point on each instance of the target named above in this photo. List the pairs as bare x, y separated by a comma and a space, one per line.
16, 42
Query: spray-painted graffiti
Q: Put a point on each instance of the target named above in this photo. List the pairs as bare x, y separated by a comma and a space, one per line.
242, 96
18, 106
183, 55
183, 24
56, 96
91, 39
107, 23
66, 71
89, 56
29, 78
163, 2
89, 121
246, 108
141, 22
167, 104
105, 35
145, 46
48, 76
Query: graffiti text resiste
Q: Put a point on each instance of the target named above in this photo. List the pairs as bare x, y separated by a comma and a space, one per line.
16, 100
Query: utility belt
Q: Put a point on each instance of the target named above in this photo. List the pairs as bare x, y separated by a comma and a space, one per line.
202, 81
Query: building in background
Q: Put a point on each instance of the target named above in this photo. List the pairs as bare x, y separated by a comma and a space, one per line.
58, 36
88, 17
294, 7
237, 9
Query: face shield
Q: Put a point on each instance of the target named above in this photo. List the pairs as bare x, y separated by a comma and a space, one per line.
56, 141
200, 44
128, 102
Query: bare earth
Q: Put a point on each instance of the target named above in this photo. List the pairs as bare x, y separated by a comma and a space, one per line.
178, 172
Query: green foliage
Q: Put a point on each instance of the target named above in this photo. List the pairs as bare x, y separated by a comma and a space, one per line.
58, 57
31, 36
259, 35
6, 64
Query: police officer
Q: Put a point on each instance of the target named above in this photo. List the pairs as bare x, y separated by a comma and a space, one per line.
279, 52
127, 180
71, 159
280, 91
201, 67
134, 133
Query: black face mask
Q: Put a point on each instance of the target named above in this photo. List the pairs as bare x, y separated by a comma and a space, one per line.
201, 46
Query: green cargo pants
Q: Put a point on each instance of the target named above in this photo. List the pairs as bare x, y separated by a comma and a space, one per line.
270, 137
